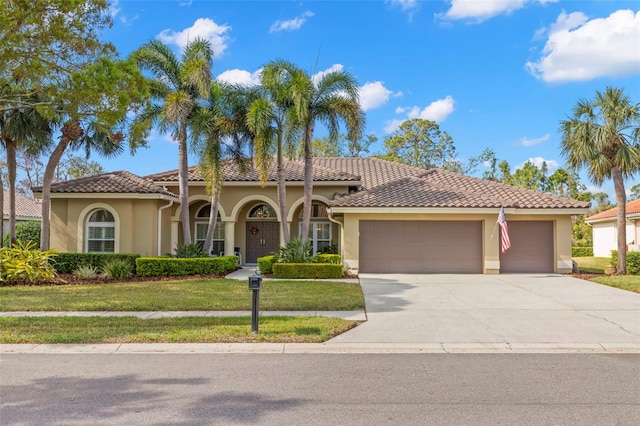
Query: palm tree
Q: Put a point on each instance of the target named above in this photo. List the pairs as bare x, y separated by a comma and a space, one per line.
603, 136
219, 132
272, 119
329, 99
21, 129
176, 88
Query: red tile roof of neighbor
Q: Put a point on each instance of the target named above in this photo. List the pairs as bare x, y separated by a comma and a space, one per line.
382, 183
25, 207
632, 207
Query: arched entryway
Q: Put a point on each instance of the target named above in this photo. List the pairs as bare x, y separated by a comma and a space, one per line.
262, 232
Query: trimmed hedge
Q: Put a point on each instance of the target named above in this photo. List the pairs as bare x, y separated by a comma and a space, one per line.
265, 264
581, 251
633, 261
171, 266
67, 263
327, 258
307, 270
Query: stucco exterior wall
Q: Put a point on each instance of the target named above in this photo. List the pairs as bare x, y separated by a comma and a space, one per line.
491, 235
605, 236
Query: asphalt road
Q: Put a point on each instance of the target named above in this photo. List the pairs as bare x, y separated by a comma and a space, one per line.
320, 389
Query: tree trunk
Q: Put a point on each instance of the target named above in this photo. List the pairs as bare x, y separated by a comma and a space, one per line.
621, 201
183, 183
282, 193
11, 175
213, 220
47, 180
308, 182
2, 204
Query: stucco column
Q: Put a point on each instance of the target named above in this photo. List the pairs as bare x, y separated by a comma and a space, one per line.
174, 235
229, 238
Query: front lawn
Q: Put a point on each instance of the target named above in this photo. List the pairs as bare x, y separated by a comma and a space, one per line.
44, 330
592, 265
184, 295
625, 282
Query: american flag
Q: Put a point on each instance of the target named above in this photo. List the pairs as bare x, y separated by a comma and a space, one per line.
502, 221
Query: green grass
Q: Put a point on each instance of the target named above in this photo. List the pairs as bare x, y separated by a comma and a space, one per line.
592, 265
625, 282
41, 330
185, 295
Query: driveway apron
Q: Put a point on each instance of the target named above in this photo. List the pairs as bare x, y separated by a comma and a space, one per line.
521, 309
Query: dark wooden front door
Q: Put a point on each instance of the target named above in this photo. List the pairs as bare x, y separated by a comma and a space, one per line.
263, 238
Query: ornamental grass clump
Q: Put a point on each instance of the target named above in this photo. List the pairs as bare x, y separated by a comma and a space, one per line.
296, 251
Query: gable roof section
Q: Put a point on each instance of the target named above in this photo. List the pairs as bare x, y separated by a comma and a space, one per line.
120, 182
25, 207
372, 171
440, 188
632, 209
293, 169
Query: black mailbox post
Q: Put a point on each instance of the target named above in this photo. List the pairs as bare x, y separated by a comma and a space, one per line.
255, 284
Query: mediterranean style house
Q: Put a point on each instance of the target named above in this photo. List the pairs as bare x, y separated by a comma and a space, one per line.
26, 210
380, 216
605, 229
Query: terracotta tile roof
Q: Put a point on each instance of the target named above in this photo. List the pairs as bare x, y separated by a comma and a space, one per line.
294, 172
25, 207
440, 188
120, 182
373, 171
632, 207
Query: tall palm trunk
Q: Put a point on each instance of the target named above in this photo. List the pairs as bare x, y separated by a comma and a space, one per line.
11, 176
71, 131
282, 193
213, 220
2, 204
621, 201
308, 182
183, 182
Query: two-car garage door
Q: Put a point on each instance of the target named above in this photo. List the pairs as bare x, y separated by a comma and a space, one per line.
421, 247
451, 247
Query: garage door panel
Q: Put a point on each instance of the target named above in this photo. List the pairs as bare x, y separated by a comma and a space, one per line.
531, 248
421, 246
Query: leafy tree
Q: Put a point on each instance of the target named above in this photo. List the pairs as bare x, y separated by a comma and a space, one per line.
421, 143
271, 118
582, 233
360, 147
529, 176
602, 202
76, 167
635, 192
326, 147
177, 85
603, 136
329, 99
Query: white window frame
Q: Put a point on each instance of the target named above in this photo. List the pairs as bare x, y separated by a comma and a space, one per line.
313, 228
200, 220
89, 224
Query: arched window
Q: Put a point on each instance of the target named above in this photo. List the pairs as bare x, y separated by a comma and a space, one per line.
262, 211
101, 232
319, 228
201, 226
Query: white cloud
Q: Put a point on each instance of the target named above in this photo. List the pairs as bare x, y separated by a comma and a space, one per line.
392, 125
537, 161
317, 76
374, 94
292, 24
581, 50
241, 77
406, 4
114, 9
186, 3
202, 28
479, 11
437, 111
526, 142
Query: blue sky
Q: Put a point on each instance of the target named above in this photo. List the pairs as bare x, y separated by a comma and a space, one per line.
497, 74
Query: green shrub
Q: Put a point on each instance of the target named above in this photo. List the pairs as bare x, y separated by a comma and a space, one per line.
633, 261
265, 264
68, 263
307, 270
25, 263
188, 251
28, 230
171, 266
327, 258
581, 251
297, 251
117, 268
86, 271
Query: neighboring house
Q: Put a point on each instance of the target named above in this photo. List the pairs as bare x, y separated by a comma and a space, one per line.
605, 229
26, 209
381, 216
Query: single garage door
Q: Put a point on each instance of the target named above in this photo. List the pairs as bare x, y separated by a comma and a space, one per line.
531, 248
420, 247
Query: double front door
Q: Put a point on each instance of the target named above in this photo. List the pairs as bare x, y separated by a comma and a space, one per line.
263, 238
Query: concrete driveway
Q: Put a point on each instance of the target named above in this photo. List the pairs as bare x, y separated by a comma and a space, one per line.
543, 311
